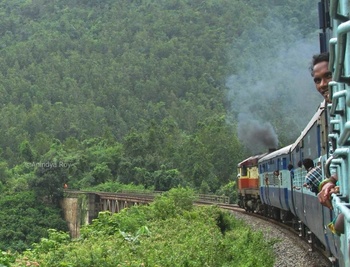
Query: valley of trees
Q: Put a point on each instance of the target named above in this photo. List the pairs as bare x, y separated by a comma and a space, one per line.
119, 94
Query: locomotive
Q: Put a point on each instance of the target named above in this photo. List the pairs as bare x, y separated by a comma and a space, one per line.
248, 183
273, 183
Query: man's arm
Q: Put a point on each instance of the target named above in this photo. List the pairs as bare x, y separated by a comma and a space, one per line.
327, 188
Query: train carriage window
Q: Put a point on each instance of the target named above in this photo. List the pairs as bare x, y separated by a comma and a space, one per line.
284, 163
244, 170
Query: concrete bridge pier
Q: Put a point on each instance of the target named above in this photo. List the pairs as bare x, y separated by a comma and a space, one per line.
79, 209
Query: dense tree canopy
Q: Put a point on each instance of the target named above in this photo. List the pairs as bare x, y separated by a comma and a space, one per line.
98, 93
83, 68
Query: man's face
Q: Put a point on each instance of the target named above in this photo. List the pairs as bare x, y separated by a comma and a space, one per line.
322, 76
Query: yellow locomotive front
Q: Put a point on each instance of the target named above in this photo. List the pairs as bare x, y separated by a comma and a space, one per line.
248, 183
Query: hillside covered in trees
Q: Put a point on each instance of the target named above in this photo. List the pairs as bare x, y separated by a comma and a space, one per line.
150, 93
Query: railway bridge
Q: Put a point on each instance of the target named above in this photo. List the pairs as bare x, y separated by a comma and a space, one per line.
81, 207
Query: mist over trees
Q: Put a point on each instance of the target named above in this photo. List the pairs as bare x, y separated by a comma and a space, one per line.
146, 92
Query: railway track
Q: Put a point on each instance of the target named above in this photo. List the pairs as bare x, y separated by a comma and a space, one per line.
290, 232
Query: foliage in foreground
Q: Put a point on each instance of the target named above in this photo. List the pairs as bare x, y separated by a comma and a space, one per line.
183, 236
24, 219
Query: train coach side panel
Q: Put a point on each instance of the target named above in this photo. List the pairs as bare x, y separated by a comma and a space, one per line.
284, 196
317, 218
275, 178
275, 196
264, 191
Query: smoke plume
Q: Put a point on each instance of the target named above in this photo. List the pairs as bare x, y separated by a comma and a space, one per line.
272, 94
256, 135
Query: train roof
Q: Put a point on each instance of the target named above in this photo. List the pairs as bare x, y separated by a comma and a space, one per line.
282, 151
310, 124
251, 161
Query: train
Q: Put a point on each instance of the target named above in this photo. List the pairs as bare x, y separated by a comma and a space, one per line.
272, 183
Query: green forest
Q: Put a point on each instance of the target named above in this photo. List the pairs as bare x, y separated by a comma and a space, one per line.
153, 94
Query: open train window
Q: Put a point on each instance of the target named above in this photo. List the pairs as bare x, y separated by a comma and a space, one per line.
244, 170
284, 163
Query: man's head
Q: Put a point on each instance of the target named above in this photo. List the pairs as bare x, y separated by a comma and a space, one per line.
290, 167
308, 163
321, 74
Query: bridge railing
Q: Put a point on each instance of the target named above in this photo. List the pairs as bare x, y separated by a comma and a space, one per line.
201, 197
210, 198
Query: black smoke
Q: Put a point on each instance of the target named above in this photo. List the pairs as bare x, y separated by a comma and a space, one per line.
256, 136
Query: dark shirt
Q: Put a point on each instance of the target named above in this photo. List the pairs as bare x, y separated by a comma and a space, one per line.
292, 174
313, 178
